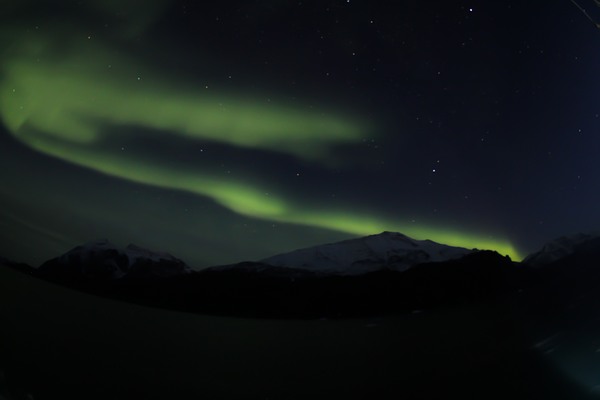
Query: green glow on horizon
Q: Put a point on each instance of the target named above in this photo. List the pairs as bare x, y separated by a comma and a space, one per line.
63, 108
365, 225
249, 200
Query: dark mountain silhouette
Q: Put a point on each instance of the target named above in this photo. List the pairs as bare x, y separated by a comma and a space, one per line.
258, 289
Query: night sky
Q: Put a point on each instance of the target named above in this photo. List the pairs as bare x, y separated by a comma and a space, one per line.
236, 130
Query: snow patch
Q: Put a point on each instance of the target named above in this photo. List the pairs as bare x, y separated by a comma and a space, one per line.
118, 262
559, 248
388, 250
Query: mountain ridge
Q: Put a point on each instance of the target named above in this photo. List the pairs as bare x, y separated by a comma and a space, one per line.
429, 275
258, 289
389, 250
100, 259
559, 248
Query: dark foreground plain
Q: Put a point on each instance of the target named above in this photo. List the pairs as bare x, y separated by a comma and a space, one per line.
57, 343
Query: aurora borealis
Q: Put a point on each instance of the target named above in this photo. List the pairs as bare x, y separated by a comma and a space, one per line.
233, 131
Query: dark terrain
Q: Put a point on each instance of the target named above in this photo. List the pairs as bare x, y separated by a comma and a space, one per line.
480, 327
288, 293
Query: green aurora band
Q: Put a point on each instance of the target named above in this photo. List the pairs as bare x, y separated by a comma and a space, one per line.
73, 97
63, 106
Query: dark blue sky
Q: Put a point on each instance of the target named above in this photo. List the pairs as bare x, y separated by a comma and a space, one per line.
235, 130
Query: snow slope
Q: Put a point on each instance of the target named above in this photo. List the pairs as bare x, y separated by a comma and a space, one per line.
387, 250
103, 259
559, 248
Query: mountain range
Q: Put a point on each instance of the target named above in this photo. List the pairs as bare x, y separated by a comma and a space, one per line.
389, 250
377, 274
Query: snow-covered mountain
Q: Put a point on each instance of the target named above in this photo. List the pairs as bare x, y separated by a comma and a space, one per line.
373, 275
560, 248
387, 250
103, 260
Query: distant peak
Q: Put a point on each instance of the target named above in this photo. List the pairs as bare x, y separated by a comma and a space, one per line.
135, 247
390, 233
559, 248
386, 250
148, 253
100, 257
99, 243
